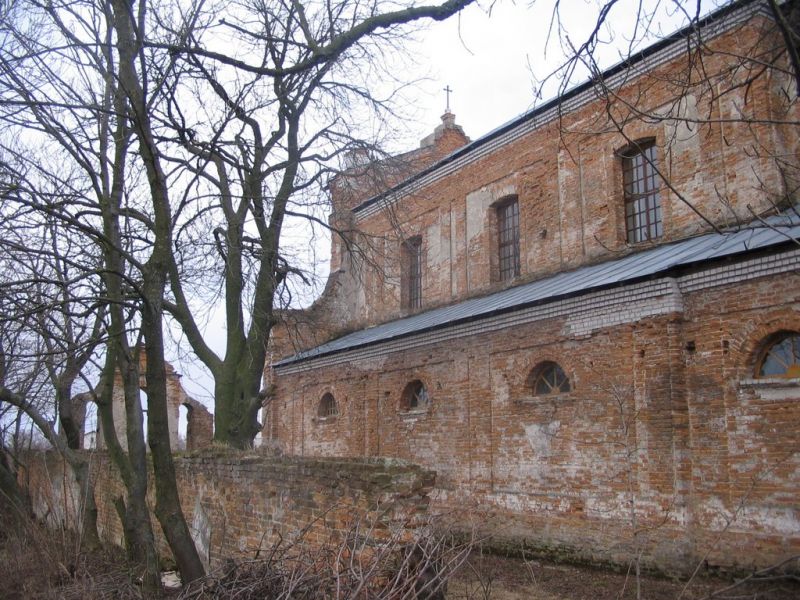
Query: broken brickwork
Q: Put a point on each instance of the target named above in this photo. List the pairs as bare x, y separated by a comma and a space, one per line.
238, 506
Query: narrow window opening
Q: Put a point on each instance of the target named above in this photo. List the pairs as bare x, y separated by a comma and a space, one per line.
412, 267
642, 199
508, 239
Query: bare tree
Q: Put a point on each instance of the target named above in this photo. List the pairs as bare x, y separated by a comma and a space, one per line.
77, 177
93, 108
257, 156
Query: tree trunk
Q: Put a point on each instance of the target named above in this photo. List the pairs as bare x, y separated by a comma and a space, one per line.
139, 538
168, 507
237, 404
88, 505
11, 491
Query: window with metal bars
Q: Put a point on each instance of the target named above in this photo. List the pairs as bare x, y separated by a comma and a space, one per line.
412, 279
642, 200
508, 239
327, 406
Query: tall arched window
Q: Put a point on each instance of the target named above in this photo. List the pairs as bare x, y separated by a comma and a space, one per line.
642, 199
411, 280
548, 378
508, 238
780, 357
327, 406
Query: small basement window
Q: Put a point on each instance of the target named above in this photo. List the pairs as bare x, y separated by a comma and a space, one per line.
415, 397
327, 407
548, 378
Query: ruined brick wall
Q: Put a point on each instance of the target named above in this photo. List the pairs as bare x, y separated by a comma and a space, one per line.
724, 156
663, 410
199, 421
236, 505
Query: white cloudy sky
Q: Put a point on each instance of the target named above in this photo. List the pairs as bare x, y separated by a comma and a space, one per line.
492, 63
492, 59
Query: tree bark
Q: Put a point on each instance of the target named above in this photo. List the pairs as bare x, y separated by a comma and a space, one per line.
168, 508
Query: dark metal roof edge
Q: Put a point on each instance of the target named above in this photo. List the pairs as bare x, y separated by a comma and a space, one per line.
677, 36
668, 271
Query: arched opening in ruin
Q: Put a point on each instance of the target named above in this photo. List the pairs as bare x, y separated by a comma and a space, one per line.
143, 403
91, 424
259, 439
184, 412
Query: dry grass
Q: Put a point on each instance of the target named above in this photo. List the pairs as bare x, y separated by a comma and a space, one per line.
38, 563
42, 563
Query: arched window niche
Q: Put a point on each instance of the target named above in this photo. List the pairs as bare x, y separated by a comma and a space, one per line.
415, 397
327, 409
779, 357
548, 379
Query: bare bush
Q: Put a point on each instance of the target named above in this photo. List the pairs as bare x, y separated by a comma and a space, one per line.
38, 562
364, 563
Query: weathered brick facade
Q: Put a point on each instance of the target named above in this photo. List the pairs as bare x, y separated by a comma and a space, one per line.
199, 421
668, 442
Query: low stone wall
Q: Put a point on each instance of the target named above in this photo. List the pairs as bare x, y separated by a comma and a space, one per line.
237, 504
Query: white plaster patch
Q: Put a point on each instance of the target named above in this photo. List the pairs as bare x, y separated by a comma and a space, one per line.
500, 387
477, 204
783, 521
201, 533
540, 437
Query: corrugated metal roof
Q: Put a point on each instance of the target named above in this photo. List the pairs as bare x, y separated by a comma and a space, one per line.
648, 263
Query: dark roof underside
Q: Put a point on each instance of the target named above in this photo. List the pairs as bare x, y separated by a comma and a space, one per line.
647, 264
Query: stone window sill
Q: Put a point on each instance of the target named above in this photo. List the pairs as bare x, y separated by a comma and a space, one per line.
413, 414
770, 382
772, 389
533, 400
323, 420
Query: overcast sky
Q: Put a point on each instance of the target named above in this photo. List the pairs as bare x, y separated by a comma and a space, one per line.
493, 61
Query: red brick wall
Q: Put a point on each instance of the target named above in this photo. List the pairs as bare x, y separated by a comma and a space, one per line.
238, 504
663, 410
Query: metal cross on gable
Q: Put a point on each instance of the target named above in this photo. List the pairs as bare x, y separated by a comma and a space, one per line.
448, 91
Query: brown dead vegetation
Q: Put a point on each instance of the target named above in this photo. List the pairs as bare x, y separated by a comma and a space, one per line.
42, 564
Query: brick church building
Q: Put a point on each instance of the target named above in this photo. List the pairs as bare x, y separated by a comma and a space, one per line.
587, 322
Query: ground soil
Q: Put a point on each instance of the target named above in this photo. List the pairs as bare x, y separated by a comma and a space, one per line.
514, 579
44, 564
